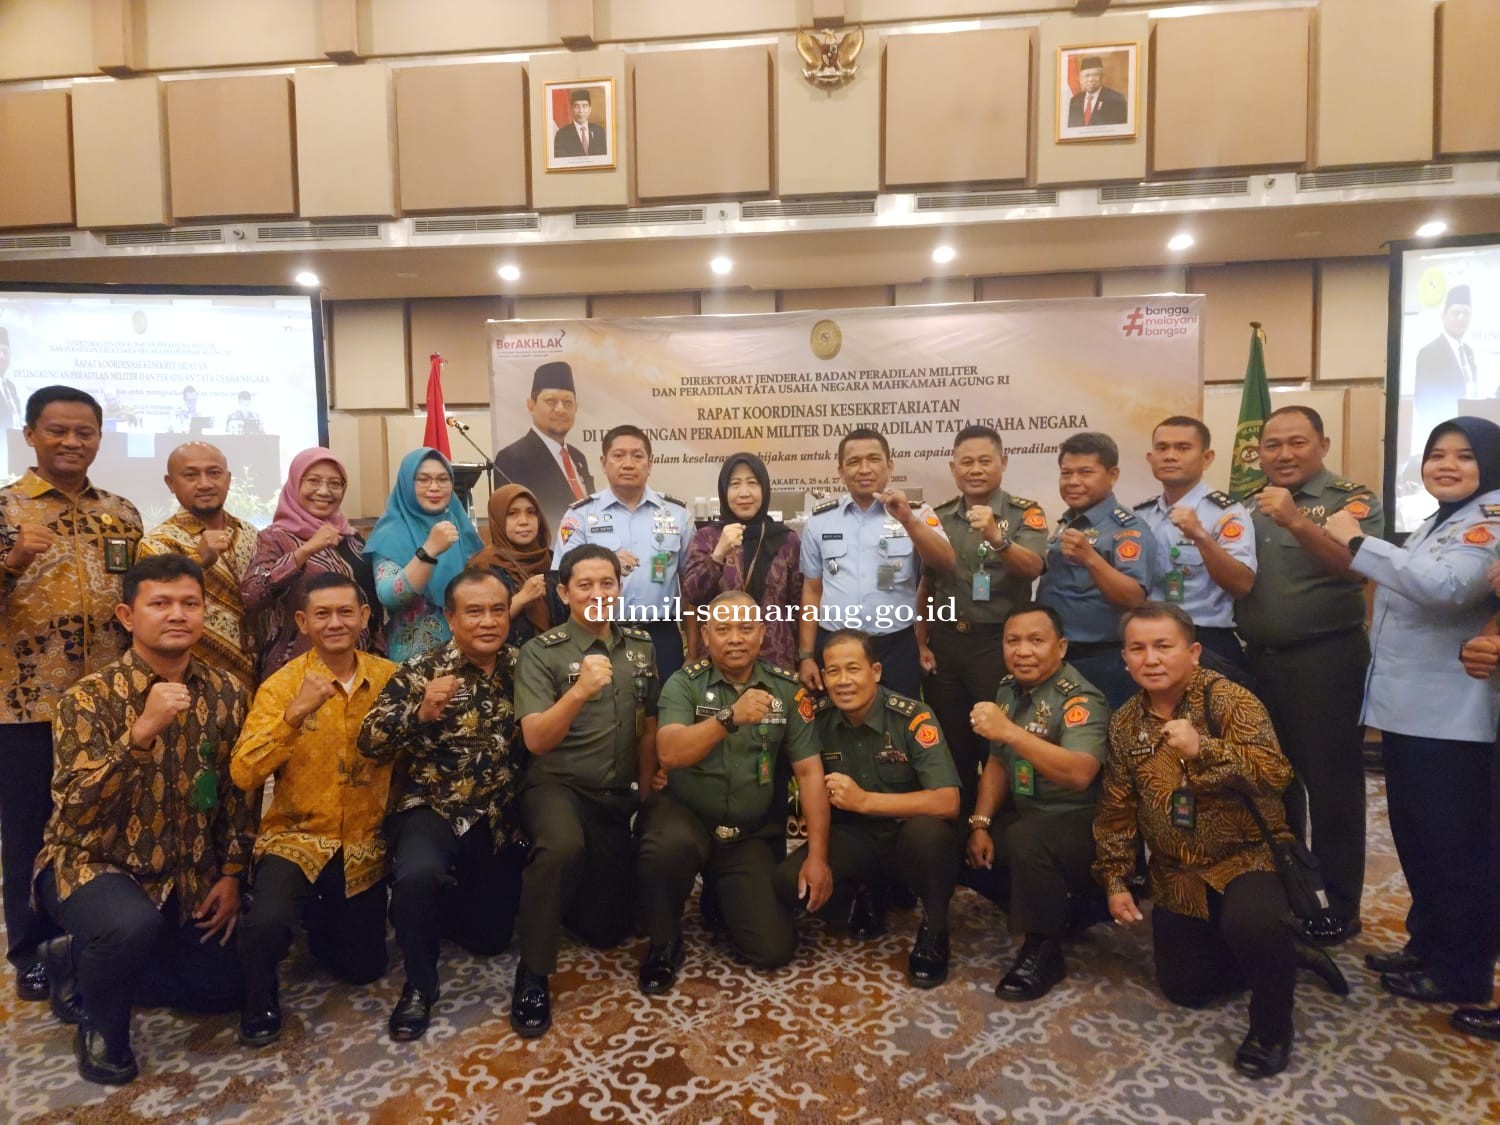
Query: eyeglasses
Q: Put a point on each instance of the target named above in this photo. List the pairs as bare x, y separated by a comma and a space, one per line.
317, 484
425, 481
205, 793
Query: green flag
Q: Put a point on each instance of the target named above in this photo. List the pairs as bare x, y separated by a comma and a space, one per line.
1245, 475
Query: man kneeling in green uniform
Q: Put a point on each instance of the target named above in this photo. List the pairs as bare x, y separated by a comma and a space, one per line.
894, 791
723, 722
1048, 731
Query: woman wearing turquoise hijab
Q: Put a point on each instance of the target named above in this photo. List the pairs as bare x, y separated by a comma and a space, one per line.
419, 546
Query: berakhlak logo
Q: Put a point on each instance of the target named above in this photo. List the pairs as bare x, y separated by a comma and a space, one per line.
1160, 321
1135, 323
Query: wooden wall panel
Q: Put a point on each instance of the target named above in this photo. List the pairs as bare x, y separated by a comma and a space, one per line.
1353, 300
846, 297
682, 151
455, 328
644, 304
1130, 283
120, 154
1374, 88
719, 302
368, 346
346, 141
230, 147
421, 27
550, 308
359, 440
1468, 45
461, 136
594, 187
1231, 91
1038, 286
827, 141
46, 39
1075, 162
36, 160
956, 107
187, 34
1277, 294
936, 291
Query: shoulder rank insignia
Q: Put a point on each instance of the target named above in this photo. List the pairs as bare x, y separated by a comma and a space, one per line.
556, 637
901, 705
825, 506
1007, 679
1123, 516
784, 673
1023, 503
635, 634
695, 670
670, 499
1222, 499
580, 503
946, 504
1066, 686
1347, 485
1146, 503
1490, 511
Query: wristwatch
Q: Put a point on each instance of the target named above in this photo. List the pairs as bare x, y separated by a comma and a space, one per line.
978, 820
423, 556
1355, 544
724, 716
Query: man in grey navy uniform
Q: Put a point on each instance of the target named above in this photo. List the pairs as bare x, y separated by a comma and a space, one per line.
862, 558
1099, 563
1204, 539
649, 531
999, 541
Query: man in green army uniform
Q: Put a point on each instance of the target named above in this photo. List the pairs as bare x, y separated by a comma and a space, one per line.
1000, 541
723, 723
1048, 731
895, 795
586, 699
1304, 628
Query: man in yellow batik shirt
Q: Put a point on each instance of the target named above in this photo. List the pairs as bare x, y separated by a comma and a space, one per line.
320, 857
221, 544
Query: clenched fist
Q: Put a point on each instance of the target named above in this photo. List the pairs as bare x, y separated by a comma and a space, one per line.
435, 699
316, 690
1075, 546
897, 506
442, 536
1278, 504
324, 538
32, 539
594, 675
752, 707
1181, 738
730, 541
165, 702
212, 544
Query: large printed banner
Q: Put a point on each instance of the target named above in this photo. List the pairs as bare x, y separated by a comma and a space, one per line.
787, 386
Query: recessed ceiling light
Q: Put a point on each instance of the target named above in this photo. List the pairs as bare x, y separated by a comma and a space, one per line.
509, 272
1180, 241
1432, 229
942, 255
307, 279
721, 265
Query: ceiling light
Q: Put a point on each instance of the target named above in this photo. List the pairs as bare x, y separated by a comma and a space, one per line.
509, 273
1432, 229
721, 265
1180, 241
942, 255
307, 279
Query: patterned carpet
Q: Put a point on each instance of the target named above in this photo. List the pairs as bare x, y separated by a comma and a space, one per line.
836, 1037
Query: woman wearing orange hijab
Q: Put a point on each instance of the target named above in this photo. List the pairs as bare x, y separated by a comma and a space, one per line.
519, 554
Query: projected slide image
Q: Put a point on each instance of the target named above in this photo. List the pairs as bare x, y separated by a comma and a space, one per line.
1449, 329
238, 371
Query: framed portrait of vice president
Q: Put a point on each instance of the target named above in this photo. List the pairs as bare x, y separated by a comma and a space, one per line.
578, 124
1098, 91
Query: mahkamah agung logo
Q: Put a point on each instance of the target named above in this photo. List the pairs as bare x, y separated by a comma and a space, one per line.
1158, 321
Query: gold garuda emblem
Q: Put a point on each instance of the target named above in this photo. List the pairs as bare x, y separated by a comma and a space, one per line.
830, 56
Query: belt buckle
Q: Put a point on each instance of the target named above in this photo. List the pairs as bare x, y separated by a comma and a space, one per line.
961, 626
726, 832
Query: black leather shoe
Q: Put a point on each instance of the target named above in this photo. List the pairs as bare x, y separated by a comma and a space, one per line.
67, 1004
1398, 962
1417, 985
1315, 960
31, 981
1329, 929
927, 967
97, 1062
659, 970
1483, 1022
1261, 1058
260, 1022
530, 1004
866, 919
412, 1014
1037, 968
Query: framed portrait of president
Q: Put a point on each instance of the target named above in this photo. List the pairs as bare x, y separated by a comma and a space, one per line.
1098, 91
578, 124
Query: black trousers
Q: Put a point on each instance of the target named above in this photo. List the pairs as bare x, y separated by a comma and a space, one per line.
25, 805
1040, 859
900, 666
580, 870
1247, 940
921, 851
1314, 693
969, 668
675, 846
346, 934
666, 640
128, 952
445, 885
1439, 796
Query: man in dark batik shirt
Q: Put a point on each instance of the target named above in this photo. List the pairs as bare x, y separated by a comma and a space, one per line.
447, 718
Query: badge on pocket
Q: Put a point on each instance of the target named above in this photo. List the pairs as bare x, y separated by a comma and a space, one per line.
981, 587
116, 554
1025, 778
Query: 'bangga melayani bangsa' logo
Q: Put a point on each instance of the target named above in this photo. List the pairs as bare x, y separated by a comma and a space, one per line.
1160, 321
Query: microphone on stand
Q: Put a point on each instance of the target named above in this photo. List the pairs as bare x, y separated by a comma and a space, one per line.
486, 465
455, 424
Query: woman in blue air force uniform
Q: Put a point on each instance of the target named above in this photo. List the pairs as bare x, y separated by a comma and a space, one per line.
1438, 724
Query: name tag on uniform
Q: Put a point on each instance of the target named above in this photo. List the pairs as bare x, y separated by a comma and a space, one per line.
116, 554
832, 757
